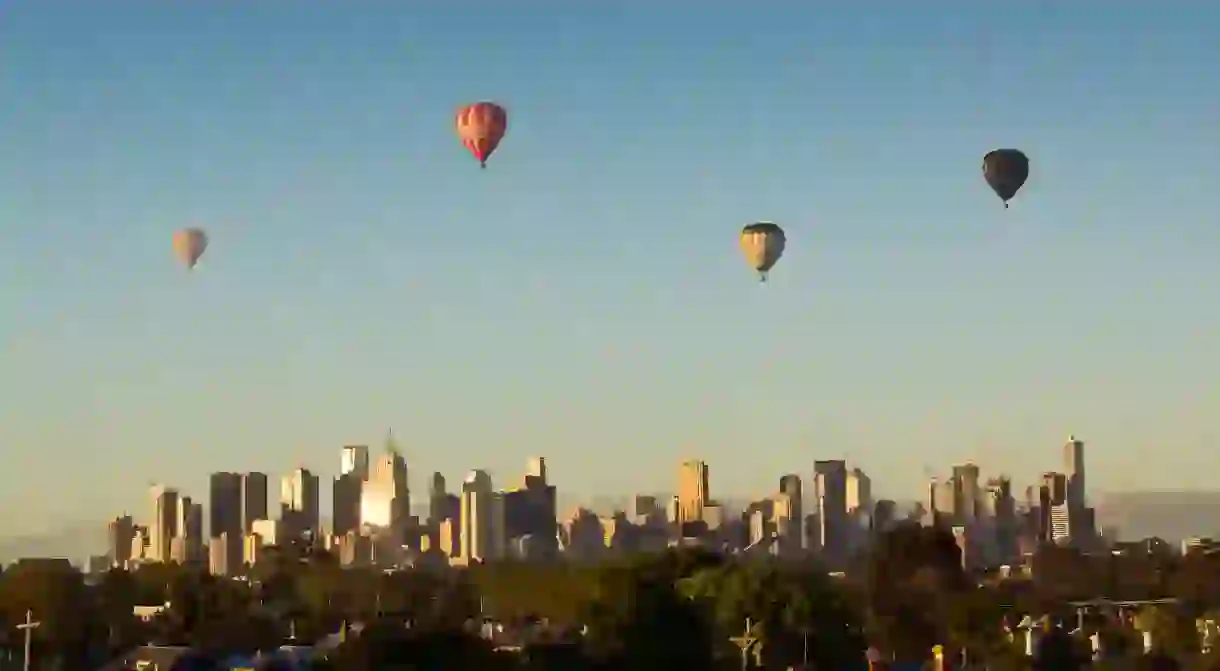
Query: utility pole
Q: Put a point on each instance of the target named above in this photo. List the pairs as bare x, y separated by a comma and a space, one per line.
28, 627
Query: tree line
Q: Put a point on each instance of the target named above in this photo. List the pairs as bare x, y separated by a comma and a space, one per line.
680, 609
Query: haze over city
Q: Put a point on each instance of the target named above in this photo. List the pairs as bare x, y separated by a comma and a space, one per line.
583, 298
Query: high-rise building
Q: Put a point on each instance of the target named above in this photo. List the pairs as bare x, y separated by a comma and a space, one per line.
164, 522
529, 513
119, 535
225, 517
966, 493
355, 461
1073, 468
299, 504
441, 504
536, 469
253, 500
859, 492
794, 534
345, 516
830, 487
190, 531
693, 490
385, 499
478, 518
224, 503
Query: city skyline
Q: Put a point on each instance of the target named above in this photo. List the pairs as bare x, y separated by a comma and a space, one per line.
584, 298
834, 518
692, 483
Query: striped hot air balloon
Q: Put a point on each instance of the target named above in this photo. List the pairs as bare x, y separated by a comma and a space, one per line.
763, 244
480, 127
189, 245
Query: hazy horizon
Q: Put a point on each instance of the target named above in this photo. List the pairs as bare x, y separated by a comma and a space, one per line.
584, 298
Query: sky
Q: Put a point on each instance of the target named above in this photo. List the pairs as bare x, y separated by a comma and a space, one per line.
584, 298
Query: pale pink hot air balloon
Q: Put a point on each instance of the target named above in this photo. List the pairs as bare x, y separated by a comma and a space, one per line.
480, 127
189, 245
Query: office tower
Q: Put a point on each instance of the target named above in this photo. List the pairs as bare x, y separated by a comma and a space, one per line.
1002, 509
1054, 515
189, 531
224, 517
536, 469
1056, 484
385, 500
224, 503
253, 500
830, 488
943, 503
693, 492
790, 486
1073, 468
224, 554
119, 535
299, 503
477, 517
441, 504
164, 522
529, 513
966, 493
355, 461
859, 492
345, 516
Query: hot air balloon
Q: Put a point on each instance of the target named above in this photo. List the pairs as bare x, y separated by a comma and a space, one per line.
1005, 171
189, 245
763, 244
480, 127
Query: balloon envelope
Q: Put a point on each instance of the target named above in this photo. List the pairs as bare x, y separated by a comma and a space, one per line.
1005, 171
763, 244
189, 245
480, 127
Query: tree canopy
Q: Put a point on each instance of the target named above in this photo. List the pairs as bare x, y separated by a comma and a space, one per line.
682, 609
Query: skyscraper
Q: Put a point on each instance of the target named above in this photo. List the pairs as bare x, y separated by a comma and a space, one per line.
859, 491
299, 502
253, 500
794, 534
355, 460
693, 490
536, 469
225, 516
1073, 468
164, 522
477, 518
830, 485
966, 493
385, 499
118, 535
190, 530
346, 491
441, 504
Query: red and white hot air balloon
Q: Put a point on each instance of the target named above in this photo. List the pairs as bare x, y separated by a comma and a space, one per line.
480, 127
189, 245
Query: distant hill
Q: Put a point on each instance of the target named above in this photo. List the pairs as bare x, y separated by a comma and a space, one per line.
1172, 515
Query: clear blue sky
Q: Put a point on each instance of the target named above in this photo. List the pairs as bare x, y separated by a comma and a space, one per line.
584, 298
